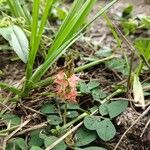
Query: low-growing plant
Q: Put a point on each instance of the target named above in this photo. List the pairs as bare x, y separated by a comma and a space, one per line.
25, 32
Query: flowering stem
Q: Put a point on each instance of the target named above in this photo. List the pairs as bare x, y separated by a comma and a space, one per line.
65, 114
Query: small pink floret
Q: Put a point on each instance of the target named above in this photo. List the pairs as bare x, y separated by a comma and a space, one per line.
66, 87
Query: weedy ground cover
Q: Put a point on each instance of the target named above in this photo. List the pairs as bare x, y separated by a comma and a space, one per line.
60, 99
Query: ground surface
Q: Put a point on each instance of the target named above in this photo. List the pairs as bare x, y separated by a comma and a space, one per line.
100, 35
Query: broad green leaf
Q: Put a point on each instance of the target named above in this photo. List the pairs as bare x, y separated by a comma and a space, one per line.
138, 92
21, 143
14, 119
48, 109
117, 107
34, 137
93, 84
106, 130
72, 114
17, 39
118, 64
84, 88
35, 148
105, 52
10, 145
103, 109
54, 120
94, 109
50, 140
84, 137
143, 46
92, 122
71, 106
98, 94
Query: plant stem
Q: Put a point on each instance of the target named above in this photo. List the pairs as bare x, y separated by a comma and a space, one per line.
139, 69
87, 66
73, 121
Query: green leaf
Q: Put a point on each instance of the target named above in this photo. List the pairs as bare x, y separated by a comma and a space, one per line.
50, 140
35, 148
14, 119
103, 109
10, 145
127, 11
118, 64
129, 26
145, 22
105, 52
84, 137
143, 46
98, 94
17, 39
34, 138
117, 107
106, 130
92, 122
72, 114
48, 109
93, 84
21, 143
84, 87
54, 120
71, 106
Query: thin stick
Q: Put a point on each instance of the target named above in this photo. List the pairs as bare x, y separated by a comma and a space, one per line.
147, 124
14, 132
64, 136
40, 126
141, 116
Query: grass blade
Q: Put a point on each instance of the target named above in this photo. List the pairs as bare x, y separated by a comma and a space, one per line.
72, 26
10, 88
54, 56
36, 35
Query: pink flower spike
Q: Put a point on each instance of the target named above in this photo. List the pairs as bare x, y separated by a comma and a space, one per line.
66, 87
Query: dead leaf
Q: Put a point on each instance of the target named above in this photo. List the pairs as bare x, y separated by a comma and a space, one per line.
138, 92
